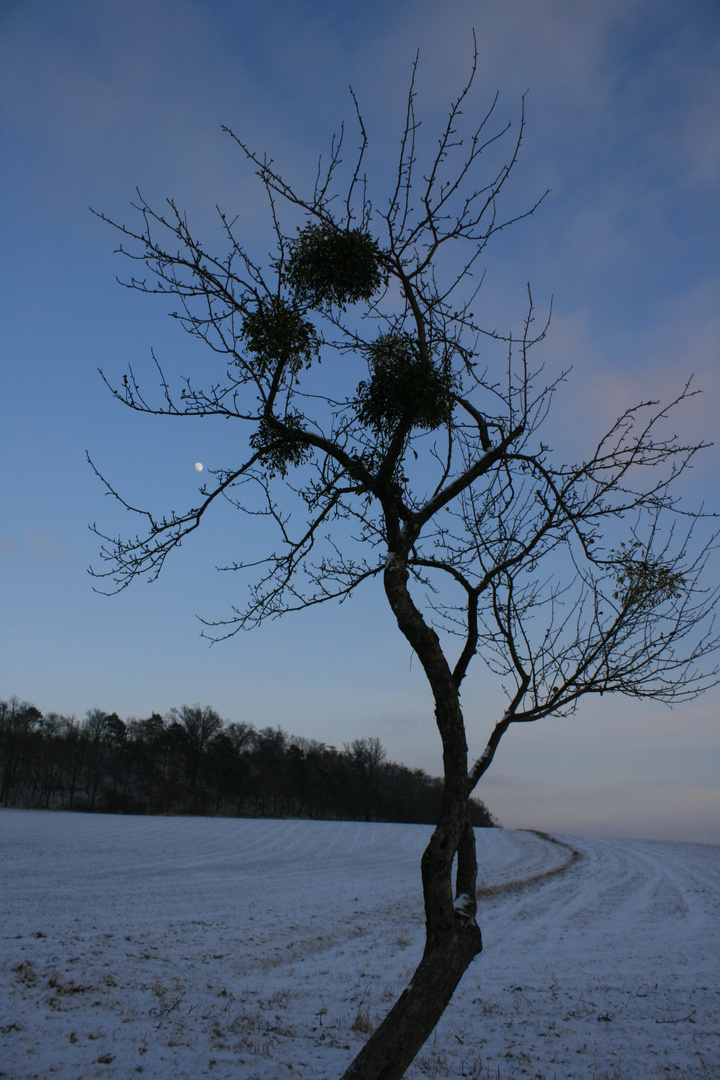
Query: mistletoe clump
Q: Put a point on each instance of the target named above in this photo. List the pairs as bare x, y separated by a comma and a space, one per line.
330, 266
280, 444
402, 389
277, 334
645, 583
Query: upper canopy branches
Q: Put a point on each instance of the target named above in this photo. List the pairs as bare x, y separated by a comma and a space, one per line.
411, 439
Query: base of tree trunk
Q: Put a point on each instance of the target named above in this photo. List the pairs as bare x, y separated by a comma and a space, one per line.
390, 1050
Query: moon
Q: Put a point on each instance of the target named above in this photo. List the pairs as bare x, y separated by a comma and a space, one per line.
198, 466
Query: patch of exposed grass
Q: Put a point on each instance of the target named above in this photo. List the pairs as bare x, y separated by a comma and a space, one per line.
362, 1024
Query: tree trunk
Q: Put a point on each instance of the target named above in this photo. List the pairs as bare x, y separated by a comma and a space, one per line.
453, 937
413, 1017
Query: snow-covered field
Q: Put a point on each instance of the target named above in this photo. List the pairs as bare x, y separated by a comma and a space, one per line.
187, 947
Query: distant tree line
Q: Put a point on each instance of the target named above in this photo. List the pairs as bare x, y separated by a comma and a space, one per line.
190, 761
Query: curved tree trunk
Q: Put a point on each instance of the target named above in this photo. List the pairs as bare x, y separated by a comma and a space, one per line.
453, 937
394, 1045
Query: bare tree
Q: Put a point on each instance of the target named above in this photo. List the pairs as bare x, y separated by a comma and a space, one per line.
428, 471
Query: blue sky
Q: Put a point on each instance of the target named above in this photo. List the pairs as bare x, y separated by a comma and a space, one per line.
97, 98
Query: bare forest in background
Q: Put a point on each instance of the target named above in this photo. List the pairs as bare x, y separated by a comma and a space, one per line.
193, 762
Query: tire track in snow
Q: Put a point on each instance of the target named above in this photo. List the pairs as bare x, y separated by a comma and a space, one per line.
608, 969
527, 881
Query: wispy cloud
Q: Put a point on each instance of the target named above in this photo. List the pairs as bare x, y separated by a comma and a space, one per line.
46, 546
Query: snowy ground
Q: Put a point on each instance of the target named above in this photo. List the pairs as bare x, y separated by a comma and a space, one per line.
178, 948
